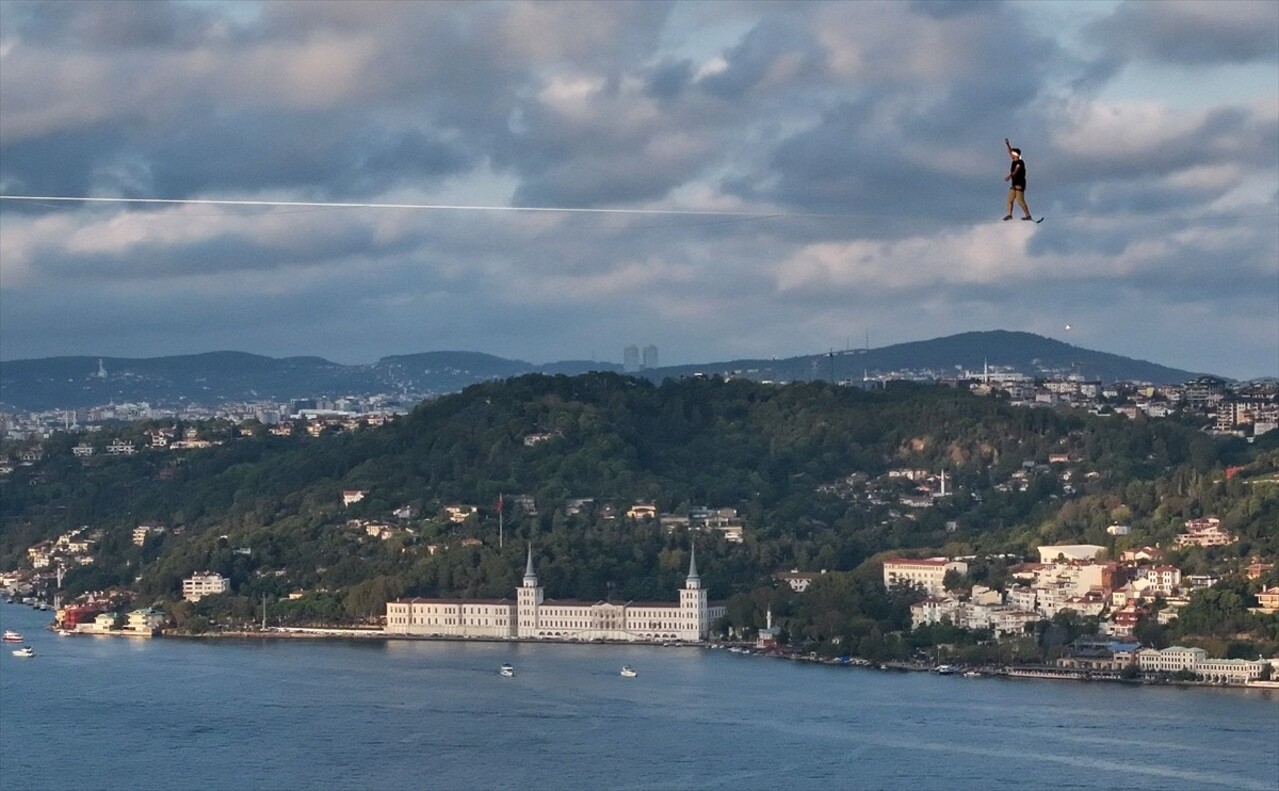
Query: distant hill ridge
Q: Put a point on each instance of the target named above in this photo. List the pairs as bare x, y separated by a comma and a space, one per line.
1023, 351
214, 377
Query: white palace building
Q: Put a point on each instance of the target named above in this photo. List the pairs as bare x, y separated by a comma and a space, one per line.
532, 617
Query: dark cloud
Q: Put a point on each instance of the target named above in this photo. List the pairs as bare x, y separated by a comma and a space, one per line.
62, 162
109, 25
949, 9
670, 79
750, 62
339, 158
1191, 33
848, 164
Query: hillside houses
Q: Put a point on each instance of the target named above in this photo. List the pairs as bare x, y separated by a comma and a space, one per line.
699, 518
1119, 593
1247, 410
1205, 532
72, 548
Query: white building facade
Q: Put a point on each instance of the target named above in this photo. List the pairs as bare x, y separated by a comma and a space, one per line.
532, 616
205, 583
927, 573
1196, 660
1170, 660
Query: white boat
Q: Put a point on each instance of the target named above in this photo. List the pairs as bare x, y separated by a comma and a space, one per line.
629, 672
945, 670
11, 636
972, 674
25, 650
507, 670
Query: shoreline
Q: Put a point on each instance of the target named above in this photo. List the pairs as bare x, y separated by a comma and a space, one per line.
1036, 672
1030, 672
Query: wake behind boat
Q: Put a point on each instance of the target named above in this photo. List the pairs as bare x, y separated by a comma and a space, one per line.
507, 670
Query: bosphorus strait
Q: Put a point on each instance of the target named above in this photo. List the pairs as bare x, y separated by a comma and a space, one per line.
108, 713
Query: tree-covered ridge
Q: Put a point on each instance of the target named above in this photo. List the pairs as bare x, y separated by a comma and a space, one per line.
267, 511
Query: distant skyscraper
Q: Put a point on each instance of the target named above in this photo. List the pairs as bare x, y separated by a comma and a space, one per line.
650, 356
631, 359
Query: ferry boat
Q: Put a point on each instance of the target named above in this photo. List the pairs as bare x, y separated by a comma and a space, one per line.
629, 672
25, 650
507, 670
11, 636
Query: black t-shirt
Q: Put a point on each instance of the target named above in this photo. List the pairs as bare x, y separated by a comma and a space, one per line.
1018, 171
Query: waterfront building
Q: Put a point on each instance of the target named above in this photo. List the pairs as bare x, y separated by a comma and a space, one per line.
532, 616
1170, 660
451, 617
101, 624
1196, 660
768, 636
144, 622
1229, 671
71, 616
1098, 653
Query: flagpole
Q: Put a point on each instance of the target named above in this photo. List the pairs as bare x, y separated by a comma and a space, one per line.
500, 510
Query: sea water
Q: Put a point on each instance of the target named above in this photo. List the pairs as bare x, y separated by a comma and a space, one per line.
117, 713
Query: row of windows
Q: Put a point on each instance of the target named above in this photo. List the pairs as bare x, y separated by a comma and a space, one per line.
606, 626
396, 614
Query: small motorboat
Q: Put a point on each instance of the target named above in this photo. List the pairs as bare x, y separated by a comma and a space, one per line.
628, 672
11, 636
25, 650
507, 670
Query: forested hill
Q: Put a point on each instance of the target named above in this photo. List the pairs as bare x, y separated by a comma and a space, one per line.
1027, 353
804, 466
219, 377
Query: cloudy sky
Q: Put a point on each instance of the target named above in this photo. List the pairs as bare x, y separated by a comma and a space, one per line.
834, 172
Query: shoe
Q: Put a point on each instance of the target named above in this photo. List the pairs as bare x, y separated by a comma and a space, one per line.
1026, 218
1009, 217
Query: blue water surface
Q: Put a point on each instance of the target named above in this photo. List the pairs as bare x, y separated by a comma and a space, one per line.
117, 713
